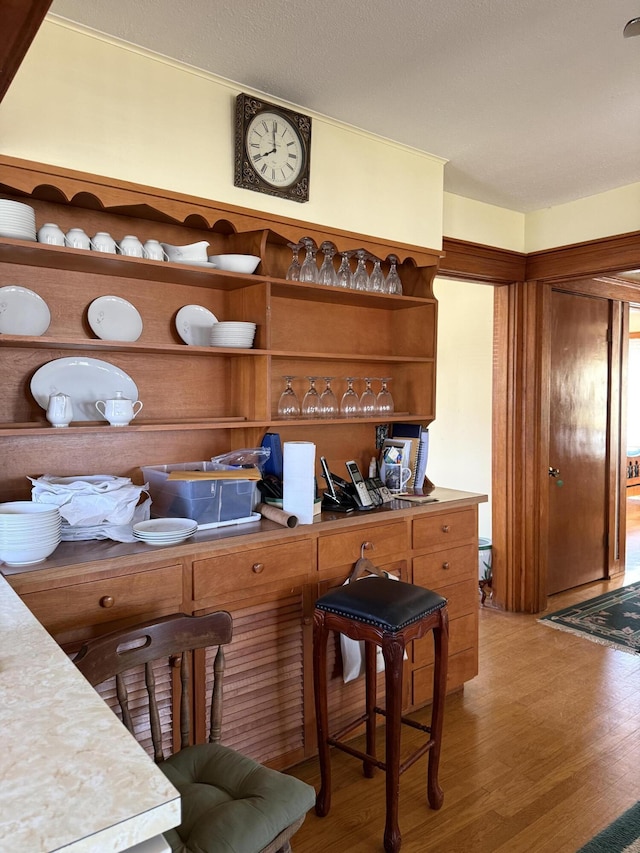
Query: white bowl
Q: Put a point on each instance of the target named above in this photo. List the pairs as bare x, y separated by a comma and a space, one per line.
14, 509
190, 252
235, 263
27, 555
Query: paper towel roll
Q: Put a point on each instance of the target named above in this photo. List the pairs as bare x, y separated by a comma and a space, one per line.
298, 479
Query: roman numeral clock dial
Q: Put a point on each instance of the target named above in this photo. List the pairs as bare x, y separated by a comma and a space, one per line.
272, 149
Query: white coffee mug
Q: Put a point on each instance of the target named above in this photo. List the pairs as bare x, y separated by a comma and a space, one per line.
119, 410
51, 233
154, 251
77, 239
59, 410
396, 476
131, 246
104, 242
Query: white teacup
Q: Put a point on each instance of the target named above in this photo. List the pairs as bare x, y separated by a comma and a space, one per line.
51, 233
77, 239
396, 476
104, 242
119, 410
131, 246
153, 250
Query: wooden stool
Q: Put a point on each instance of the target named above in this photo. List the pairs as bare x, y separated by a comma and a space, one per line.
389, 614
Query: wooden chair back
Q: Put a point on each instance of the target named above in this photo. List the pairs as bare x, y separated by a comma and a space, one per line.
172, 639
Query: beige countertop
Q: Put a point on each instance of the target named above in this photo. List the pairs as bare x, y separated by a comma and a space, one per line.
73, 778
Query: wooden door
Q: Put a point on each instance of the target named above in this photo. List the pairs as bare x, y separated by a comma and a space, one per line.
578, 442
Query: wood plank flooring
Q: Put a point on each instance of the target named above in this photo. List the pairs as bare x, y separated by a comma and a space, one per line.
540, 752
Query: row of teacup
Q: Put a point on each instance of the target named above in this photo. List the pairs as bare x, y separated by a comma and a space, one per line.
77, 238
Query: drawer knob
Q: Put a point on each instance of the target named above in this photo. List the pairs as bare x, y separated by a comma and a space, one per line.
445, 528
445, 566
258, 567
107, 601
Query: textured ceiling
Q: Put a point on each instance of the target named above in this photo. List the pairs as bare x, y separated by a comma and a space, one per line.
532, 102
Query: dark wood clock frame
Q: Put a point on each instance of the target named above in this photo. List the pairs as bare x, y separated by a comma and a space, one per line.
245, 175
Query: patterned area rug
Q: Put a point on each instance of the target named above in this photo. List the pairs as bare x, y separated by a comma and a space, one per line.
621, 836
612, 619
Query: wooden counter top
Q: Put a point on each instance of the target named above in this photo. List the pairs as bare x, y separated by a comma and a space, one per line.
73, 777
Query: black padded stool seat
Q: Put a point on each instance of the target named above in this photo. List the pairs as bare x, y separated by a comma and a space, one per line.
390, 614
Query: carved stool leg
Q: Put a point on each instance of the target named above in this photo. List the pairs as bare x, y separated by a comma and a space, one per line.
320, 637
393, 649
370, 690
435, 793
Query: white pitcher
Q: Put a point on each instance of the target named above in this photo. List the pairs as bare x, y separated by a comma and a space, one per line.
59, 410
119, 410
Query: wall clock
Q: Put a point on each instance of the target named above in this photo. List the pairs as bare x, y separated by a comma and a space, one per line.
272, 147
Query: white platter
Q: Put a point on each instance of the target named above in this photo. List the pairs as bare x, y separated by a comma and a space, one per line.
22, 312
85, 380
114, 319
193, 324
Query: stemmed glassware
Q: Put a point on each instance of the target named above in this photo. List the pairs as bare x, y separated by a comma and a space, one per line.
328, 401
343, 276
360, 278
376, 279
309, 269
392, 281
350, 403
367, 400
311, 400
327, 274
384, 400
293, 273
288, 404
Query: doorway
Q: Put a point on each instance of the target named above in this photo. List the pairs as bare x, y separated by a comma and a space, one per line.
632, 463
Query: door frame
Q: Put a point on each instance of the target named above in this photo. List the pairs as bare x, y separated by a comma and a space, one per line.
521, 397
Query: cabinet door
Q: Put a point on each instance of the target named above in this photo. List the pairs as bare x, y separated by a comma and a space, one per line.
264, 685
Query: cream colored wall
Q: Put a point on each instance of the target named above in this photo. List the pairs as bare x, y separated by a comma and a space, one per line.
460, 437
603, 215
477, 222
101, 106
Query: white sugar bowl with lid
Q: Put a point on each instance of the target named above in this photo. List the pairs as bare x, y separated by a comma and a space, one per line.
119, 411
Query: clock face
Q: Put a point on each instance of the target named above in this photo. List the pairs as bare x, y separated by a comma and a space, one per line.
274, 149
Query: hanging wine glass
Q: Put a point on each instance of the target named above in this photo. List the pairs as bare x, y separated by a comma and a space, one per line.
384, 400
328, 401
367, 400
392, 281
309, 269
360, 278
350, 403
376, 279
288, 404
293, 273
311, 400
343, 276
327, 274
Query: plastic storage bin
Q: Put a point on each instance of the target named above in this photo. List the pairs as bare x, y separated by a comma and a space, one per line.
206, 501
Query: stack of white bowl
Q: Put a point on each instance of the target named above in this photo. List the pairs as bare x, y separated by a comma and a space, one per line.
230, 334
17, 220
29, 532
165, 531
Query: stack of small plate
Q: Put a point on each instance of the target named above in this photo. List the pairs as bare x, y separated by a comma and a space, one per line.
29, 532
231, 334
17, 220
165, 531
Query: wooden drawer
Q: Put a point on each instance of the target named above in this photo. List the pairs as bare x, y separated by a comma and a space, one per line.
463, 634
445, 567
462, 667
241, 571
343, 549
440, 530
100, 601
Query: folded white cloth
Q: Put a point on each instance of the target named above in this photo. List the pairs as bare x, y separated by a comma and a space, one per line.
353, 650
89, 500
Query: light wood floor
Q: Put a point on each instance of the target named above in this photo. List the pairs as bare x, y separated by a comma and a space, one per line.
540, 752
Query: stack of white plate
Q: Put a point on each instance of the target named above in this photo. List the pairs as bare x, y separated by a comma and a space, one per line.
165, 531
17, 220
29, 532
231, 334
